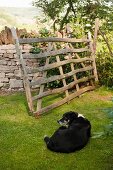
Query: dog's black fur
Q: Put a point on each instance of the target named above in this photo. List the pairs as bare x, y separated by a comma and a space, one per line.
71, 138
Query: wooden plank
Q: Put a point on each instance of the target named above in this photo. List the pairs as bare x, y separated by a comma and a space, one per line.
54, 53
51, 39
93, 57
66, 99
72, 68
39, 102
82, 64
77, 55
25, 76
59, 77
61, 71
75, 78
62, 89
57, 64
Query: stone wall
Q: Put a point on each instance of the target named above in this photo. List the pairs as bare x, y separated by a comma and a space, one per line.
6, 35
10, 72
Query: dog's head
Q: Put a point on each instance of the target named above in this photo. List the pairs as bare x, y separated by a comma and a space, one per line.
68, 118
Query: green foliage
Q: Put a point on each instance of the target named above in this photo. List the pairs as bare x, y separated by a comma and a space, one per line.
50, 8
44, 32
105, 69
81, 16
104, 61
64, 11
35, 50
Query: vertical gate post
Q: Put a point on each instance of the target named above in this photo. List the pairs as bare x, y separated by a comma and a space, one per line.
93, 56
25, 76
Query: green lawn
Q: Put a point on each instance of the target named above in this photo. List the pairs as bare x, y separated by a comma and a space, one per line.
21, 136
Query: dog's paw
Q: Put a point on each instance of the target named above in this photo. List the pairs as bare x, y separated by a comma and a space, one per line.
46, 138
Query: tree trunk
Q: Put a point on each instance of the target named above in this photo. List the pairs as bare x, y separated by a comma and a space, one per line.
107, 43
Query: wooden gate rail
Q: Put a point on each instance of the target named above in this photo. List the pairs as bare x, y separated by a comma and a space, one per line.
62, 89
66, 99
54, 53
87, 69
45, 80
57, 64
51, 39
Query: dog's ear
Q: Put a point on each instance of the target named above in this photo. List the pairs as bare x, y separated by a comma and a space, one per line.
73, 115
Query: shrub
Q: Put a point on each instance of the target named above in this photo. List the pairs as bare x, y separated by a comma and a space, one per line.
105, 69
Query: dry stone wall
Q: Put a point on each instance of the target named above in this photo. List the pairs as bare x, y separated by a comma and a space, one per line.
10, 71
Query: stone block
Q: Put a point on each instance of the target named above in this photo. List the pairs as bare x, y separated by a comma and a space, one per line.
11, 51
6, 85
2, 75
27, 47
4, 80
6, 55
8, 69
10, 75
15, 59
6, 47
1, 85
25, 51
3, 62
17, 63
16, 56
17, 73
16, 83
7, 59
2, 51
13, 63
9, 63
10, 56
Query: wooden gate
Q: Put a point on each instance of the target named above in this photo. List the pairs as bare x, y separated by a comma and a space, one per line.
75, 69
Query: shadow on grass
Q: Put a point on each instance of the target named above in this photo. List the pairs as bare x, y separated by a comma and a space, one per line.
48, 100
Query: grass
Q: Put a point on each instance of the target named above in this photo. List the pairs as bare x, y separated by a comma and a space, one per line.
21, 135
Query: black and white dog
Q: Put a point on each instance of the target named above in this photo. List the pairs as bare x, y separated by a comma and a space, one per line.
72, 135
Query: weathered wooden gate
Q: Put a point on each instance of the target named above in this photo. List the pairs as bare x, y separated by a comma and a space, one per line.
76, 69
